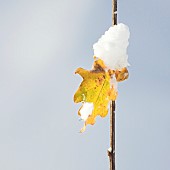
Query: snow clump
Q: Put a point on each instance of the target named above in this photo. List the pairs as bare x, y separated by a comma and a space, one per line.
112, 47
86, 110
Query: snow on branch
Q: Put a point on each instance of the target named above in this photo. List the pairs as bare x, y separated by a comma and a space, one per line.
112, 47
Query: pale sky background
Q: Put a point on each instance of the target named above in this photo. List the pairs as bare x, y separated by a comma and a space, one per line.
42, 42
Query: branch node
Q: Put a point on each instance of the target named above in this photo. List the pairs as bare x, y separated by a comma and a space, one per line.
110, 152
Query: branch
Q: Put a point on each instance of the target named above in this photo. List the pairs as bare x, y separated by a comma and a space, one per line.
111, 150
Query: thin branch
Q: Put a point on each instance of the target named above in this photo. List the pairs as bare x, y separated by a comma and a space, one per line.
114, 12
111, 150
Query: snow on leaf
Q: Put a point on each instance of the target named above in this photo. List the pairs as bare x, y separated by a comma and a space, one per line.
97, 89
86, 110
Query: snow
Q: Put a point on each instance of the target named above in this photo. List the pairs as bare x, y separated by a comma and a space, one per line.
86, 110
110, 149
112, 47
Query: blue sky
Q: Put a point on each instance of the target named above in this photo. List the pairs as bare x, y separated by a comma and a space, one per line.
41, 45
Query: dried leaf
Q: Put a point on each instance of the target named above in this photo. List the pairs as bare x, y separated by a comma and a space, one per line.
121, 75
97, 89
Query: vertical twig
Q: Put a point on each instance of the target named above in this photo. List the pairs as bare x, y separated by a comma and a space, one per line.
111, 151
114, 12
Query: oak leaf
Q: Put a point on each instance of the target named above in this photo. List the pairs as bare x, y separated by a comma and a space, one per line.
96, 88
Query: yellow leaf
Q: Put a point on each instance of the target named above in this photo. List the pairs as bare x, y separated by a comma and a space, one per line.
95, 88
